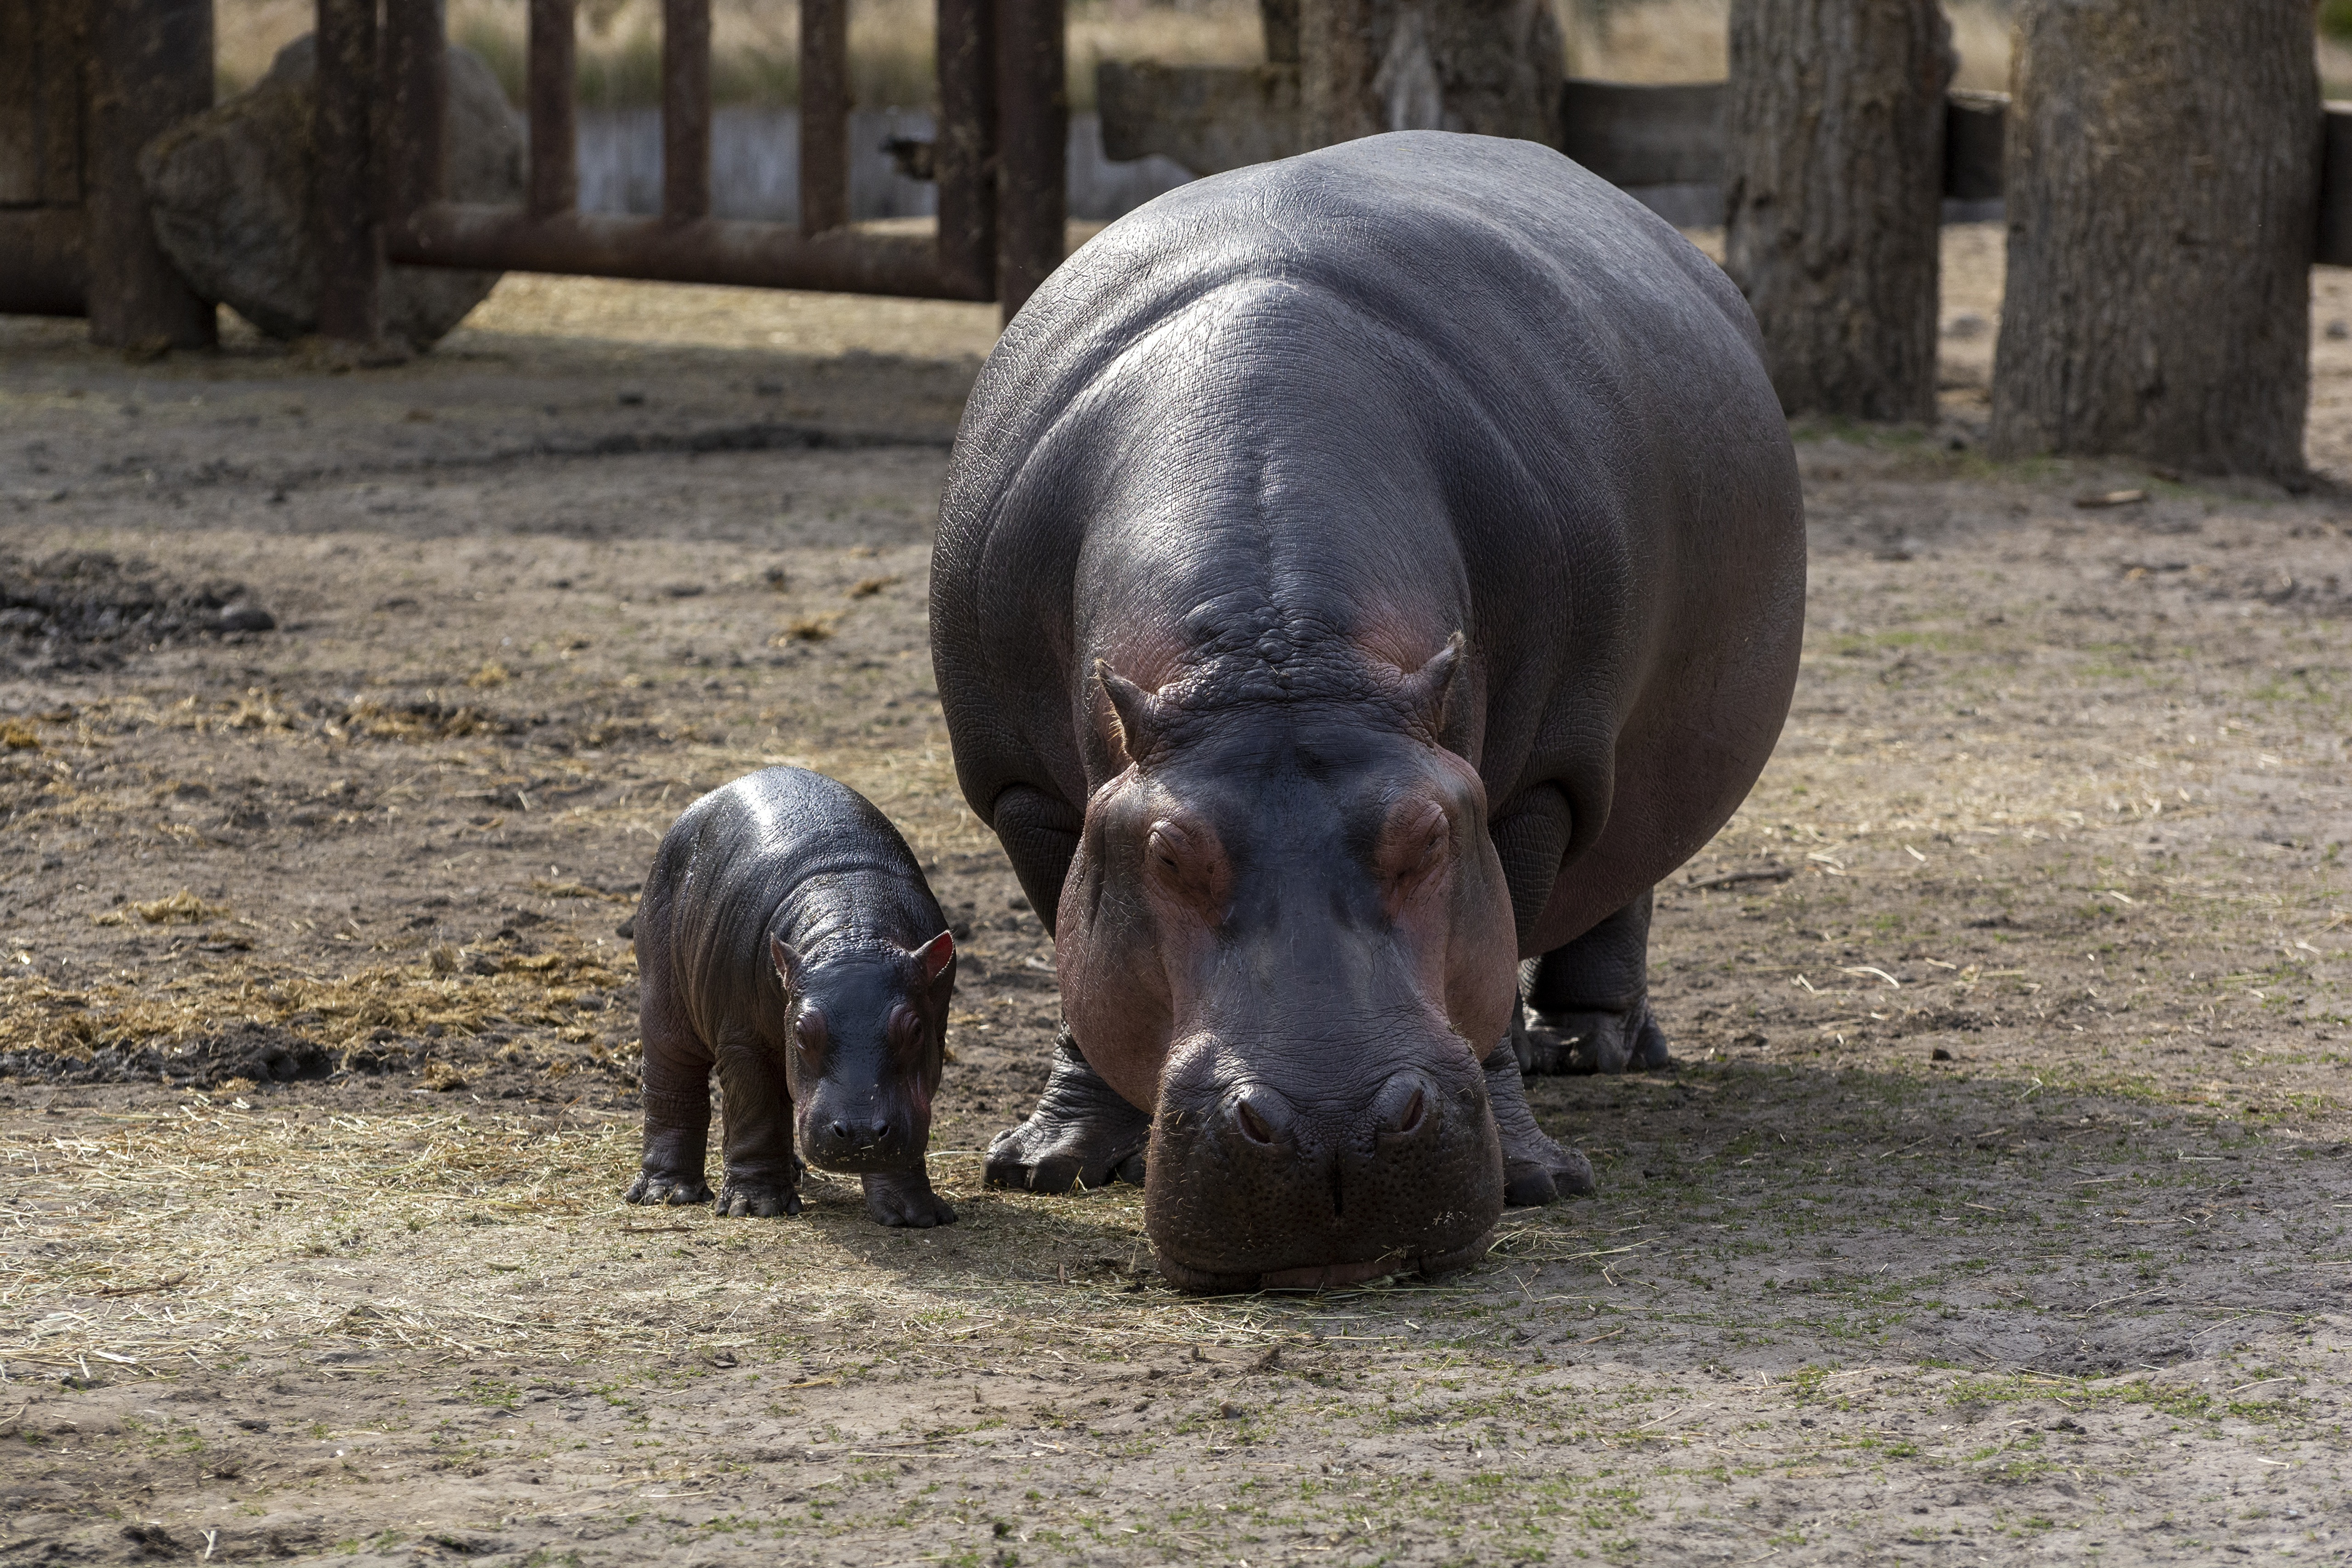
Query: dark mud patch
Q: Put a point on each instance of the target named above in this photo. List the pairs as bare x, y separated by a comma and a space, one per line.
89, 609
255, 1053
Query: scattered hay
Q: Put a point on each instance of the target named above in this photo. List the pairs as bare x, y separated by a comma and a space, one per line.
19, 735
441, 1077
866, 587
806, 628
182, 908
492, 674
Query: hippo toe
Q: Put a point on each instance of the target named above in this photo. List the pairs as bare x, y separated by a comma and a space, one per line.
654, 1188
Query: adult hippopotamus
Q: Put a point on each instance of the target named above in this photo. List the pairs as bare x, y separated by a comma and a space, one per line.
1355, 573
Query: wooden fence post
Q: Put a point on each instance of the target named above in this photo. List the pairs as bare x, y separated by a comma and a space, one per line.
151, 64
347, 227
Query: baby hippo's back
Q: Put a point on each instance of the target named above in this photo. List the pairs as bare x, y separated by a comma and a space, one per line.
784, 850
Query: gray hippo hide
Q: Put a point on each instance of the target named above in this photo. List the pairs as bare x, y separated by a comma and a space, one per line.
787, 938
1358, 574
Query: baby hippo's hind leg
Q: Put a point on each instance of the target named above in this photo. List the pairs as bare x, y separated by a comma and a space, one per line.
1591, 1000
764, 1175
676, 1075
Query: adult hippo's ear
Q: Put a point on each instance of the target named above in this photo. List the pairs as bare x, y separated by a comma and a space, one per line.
938, 958
1428, 692
1135, 712
787, 962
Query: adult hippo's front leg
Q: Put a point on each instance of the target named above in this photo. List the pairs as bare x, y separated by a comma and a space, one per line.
1590, 998
1081, 1132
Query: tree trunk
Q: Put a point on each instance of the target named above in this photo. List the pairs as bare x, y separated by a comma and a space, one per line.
1833, 192
1493, 67
2162, 182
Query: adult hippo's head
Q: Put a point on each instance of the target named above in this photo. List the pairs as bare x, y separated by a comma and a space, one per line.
1287, 930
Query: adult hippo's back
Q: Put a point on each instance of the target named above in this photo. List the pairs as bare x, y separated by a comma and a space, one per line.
1356, 573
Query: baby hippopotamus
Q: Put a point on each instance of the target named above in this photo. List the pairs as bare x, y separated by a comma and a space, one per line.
786, 935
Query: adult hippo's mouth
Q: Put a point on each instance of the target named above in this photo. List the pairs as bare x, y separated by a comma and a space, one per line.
1393, 1167
1322, 1276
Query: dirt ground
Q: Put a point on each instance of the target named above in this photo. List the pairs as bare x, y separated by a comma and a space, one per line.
1995, 1211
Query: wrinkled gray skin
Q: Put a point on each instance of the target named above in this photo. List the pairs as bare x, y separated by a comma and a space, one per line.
786, 936
1358, 573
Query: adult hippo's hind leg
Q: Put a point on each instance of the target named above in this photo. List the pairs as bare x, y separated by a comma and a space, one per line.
1590, 998
1081, 1134
1534, 1169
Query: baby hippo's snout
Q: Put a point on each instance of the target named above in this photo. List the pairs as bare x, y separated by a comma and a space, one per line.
1255, 1184
859, 1132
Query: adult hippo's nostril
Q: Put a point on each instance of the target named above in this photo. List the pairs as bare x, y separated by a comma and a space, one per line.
1261, 1118
1402, 1108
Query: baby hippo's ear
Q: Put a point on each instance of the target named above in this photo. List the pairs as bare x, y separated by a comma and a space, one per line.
787, 962
938, 958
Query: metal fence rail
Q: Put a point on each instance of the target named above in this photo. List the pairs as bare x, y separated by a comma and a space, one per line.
998, 156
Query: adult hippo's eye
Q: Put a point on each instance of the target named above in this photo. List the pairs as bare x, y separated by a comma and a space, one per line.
1190, 863
1414, 847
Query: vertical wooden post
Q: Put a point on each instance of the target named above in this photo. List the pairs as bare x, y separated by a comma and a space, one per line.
824, 115
347, 229
1033, 133
963, 145
415, 97
151, 65
552, 67
1336, 67
686, 110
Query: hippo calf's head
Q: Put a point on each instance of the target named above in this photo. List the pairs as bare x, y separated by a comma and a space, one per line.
1287, 930
868, 1041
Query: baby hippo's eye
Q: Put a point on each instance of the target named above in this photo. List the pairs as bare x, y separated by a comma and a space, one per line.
905, 1028
809, 1030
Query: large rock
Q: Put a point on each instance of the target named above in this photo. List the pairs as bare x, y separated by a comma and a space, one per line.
229, 192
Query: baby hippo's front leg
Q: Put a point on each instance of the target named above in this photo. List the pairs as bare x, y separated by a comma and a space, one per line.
763, 1174
905, 1197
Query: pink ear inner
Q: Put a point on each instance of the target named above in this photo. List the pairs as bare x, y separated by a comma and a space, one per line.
936, 954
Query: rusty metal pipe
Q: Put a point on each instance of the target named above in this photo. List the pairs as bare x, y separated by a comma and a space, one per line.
348, 236
416, 102
963, 147
554, 127
709, 250
824, 115
686, 110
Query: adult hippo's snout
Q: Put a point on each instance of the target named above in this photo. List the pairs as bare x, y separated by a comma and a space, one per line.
1253, 1185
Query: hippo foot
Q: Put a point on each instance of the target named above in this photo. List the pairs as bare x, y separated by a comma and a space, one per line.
1536, 1171
1598, 1039
895, 1198
664, 1188
1081, 1134
756, 1197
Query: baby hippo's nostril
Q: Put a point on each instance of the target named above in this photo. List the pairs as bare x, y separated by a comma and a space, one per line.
1402, 1107
841, 1130
881, 1132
